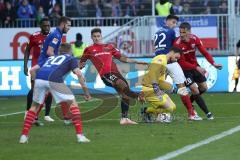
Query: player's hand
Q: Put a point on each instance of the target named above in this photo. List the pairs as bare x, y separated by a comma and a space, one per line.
218, 66
201, 70
26, 70
82, 65
87, 97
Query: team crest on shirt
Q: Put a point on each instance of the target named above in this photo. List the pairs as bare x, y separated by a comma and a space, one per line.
55, 41
193, 45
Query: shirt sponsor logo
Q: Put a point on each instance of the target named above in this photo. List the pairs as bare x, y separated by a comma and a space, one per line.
102, 53
55, 41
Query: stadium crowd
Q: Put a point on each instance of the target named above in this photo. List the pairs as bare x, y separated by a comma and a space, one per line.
10, 10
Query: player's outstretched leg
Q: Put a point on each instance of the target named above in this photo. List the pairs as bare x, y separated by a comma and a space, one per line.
200, 101
124, 91
125, 107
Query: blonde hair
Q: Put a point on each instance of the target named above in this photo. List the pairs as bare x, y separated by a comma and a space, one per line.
65, 48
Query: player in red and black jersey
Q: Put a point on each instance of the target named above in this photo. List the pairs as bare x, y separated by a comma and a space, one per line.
101, 55
33, 48
195, 75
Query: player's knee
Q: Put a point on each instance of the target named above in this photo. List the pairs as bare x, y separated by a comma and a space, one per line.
34, 107
182, 91
203, 88
121, 84
171, 108
194, 89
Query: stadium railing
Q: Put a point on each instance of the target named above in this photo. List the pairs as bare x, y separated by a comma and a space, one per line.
135, 38
76, 22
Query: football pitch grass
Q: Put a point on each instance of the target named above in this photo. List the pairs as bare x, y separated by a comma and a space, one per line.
111, 141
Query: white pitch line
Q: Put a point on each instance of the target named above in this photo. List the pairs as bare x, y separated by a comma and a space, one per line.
190, 147
21, 112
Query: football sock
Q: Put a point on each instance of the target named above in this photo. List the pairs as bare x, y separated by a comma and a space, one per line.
192, 97
188, 104
29, 99
236, 83
48, 104
76, 119
201, 103
65, 110
124, 107
30, 117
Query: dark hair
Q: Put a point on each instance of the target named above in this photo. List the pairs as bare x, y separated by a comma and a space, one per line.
185, 25
45, 19
79, 36
64, 19
94, 30
65, 48
175, 50
171, 16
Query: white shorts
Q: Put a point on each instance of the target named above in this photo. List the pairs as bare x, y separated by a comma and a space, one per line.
176, 73
59, 91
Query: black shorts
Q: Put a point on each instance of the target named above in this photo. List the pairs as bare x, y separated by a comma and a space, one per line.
193, 76
110, 79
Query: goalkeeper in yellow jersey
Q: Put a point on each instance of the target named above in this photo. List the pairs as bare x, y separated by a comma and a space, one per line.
155, 87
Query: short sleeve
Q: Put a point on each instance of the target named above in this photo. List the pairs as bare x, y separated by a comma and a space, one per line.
54, 41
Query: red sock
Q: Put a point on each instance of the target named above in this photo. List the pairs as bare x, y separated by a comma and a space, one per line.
30, 117
187, 103
76, 119
65, 110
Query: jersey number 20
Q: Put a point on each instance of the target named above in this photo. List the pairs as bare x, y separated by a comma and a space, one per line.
54, 61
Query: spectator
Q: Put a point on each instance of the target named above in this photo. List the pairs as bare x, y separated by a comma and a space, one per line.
186, 10
207, 10
145, 8
95, 10
195, 6
177, 7
78, 46
40, 14
164, 8
116, 9
2, 6
213, 4
129, 8
82, 8
56, 12
223, 8
8, 15
25, 10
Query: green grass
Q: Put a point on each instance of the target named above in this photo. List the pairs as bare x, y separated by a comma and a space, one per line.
110, 141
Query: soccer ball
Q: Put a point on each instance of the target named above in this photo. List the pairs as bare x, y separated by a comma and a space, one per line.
164, 117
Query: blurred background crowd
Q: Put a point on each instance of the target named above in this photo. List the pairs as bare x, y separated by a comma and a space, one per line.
10, 10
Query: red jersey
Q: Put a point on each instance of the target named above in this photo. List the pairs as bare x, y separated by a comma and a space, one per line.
188, 60
101, 55
35, 43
